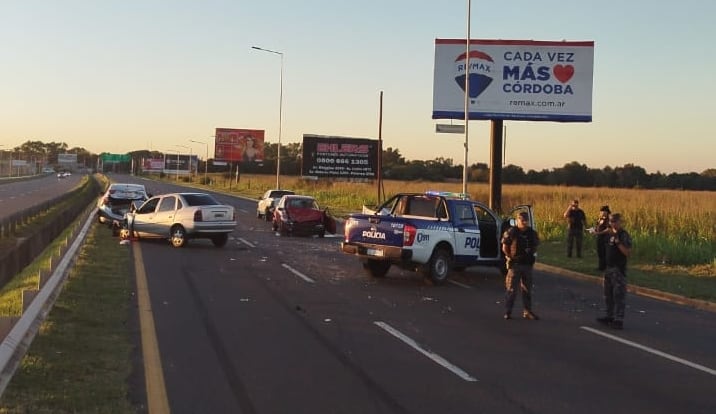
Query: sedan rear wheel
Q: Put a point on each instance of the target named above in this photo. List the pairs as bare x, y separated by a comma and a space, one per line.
178, 236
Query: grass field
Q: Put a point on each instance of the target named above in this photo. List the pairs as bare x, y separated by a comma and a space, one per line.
670, 228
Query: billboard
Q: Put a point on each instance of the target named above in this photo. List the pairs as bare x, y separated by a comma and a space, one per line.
514, 80
178, 164
239, 145
67, 158
339, 157
153, 165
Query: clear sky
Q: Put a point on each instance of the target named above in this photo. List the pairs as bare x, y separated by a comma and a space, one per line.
118, 76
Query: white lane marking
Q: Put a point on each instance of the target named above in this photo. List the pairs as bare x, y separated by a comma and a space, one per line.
246, 242
651, 350
462, 285
297, 273
435, 357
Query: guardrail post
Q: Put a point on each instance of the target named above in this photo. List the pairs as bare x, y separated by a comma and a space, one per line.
6, 324
27, 297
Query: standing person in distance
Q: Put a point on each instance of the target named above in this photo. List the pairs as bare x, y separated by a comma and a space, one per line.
601, 230
618, 248
519, 245
576, 221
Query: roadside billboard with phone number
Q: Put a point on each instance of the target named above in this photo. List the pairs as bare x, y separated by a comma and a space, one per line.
339, 157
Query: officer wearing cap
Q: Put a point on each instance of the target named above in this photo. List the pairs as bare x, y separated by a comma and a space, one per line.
519, 245
615, 283
576, 221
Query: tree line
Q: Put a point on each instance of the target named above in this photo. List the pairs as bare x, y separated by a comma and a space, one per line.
396, 167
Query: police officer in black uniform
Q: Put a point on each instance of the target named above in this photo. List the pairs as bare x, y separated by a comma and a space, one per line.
519, 245
618, 249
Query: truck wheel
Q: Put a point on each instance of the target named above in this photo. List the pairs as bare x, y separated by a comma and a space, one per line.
438, 268
376, 268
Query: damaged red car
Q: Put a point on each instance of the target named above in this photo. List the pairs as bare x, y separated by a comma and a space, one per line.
301, 215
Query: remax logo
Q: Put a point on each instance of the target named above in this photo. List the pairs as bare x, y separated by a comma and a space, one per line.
480, 71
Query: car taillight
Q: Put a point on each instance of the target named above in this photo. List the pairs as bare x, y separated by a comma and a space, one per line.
409, 235
198, 216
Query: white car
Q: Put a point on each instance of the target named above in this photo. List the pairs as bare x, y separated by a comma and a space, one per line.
180, 217
116, 201
267, 202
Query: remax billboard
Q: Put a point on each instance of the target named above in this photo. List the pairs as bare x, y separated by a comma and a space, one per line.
514, 80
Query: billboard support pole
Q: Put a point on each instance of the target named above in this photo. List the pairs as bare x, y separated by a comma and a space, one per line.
380, 148
467, 97
496, 165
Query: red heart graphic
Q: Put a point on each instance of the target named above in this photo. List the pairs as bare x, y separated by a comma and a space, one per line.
563, 73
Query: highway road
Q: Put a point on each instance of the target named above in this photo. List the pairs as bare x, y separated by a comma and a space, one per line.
274, 324
19, 195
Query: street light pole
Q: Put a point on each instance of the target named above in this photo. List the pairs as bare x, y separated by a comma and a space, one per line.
206, 160
467, 99
280, 115
189, 164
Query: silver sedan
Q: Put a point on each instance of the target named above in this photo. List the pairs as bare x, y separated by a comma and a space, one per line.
180, 217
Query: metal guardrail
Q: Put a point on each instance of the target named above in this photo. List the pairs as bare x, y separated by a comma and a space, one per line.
15, 344
8, 225
13, 259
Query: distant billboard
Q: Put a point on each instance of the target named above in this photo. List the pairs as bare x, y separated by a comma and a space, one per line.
514, 79
339, 157
153, 164
177, 164
67, 158
239, 145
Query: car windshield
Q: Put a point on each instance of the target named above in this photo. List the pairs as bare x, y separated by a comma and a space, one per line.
279, 194
200, 200
302, 203
126, 192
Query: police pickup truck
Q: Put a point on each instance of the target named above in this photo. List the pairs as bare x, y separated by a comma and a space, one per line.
431, 233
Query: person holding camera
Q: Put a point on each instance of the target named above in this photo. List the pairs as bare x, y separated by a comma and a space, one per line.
519, 245
576, 221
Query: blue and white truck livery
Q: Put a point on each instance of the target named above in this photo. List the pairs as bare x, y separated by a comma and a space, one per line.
432, 233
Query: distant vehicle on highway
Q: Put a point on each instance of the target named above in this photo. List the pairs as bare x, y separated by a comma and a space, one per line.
301, 215
180, 217
116, 202
267, 202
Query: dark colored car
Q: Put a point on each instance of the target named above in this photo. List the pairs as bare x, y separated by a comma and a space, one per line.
301, 215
